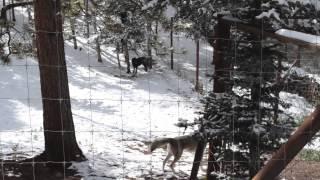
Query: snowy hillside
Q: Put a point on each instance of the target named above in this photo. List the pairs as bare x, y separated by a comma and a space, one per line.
185, 58
115, 115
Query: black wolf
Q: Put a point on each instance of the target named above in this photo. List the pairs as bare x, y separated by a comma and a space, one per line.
136, 62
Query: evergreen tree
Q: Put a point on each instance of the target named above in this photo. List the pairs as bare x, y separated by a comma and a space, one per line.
249, 119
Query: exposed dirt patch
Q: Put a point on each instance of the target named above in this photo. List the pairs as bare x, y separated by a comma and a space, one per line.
302, 170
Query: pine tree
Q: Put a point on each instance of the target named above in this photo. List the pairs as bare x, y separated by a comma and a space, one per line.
249, 119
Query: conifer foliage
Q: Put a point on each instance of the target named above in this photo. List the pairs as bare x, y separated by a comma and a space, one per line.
249, 119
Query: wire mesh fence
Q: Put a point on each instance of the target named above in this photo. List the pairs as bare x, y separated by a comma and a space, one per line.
117, 116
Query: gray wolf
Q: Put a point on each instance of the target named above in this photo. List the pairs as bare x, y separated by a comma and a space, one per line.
175, 147
136, 62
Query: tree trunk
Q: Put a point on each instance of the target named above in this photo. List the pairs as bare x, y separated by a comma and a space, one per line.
98, 49
126, 54
277, 93
197, 88
157, 25
13, 14
254, 162
59, 132
149, 49
197, 159
254, 150
73, 32
118, 58
86, 4
29, 13
171, 42
3, 3
298, 64
222, 33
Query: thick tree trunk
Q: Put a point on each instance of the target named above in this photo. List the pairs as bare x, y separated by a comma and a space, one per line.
222, 35
254, 150
59, 132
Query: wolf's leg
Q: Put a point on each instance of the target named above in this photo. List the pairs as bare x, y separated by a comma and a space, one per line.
177, 156
134, 72
166, 159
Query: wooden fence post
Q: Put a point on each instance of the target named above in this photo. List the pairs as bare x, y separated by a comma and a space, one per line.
291, 148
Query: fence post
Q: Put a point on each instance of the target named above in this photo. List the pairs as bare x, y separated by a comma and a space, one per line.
197, 159
291, 148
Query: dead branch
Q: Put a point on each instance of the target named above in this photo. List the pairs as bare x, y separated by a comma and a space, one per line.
4, 9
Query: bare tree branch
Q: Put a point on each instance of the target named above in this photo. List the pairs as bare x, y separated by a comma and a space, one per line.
4, 10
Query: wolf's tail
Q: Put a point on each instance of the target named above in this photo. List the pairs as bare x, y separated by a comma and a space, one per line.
158, 143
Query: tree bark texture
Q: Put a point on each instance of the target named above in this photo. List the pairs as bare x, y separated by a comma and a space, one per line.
59, 131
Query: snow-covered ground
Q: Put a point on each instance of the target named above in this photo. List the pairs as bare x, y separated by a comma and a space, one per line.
185, 58
115, 115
